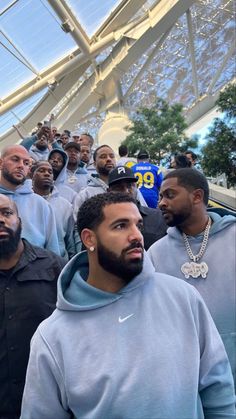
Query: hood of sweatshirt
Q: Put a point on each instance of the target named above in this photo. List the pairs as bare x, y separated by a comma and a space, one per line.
43, 154
219, 223
25, 188
74, 294
62, 175
94, 181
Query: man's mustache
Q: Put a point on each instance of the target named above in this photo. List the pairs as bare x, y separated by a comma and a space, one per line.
134, 245
5, 230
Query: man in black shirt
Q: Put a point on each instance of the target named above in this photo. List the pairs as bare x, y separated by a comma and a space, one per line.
28, 290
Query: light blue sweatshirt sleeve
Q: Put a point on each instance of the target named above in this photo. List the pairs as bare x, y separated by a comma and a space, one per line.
44, 395
51, 242
70, 238
29, 141
215, 375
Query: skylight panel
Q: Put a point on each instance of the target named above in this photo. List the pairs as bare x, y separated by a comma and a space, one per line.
17, 113
36, 33
92, 13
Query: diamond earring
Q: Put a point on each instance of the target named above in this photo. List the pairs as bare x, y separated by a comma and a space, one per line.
91, 249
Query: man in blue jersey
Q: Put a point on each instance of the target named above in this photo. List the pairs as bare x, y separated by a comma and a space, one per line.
149, 178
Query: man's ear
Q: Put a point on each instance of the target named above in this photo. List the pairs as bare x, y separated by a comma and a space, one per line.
198, 196
88, 238
1, 163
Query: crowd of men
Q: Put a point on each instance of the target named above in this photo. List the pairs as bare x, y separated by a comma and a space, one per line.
118, 272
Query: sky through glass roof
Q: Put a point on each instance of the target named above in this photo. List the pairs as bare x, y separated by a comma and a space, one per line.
34, 39
30, 39
92, 13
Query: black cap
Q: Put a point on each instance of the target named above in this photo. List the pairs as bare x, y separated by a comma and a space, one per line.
121, 173
72, 144
143, 155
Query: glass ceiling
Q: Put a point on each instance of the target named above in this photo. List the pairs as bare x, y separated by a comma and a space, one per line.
35, 41
169, 74
92, 13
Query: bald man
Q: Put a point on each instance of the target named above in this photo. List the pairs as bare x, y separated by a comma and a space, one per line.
28, 289
38, 222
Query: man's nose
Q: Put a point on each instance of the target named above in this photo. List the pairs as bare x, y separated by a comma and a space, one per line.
2, 219
135, 234
162, 202
20, 163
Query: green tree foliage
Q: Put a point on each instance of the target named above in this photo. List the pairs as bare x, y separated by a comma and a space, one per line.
219, 154
159, 130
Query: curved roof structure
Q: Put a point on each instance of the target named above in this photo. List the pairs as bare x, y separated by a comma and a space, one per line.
79, 59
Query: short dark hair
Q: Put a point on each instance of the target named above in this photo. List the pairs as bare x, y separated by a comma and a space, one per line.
90, 214
37, 164
98, 148
123, 150
91, 139
181, 161
191, 179
194, 156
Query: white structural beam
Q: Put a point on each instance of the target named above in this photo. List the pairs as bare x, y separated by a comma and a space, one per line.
125, 11
192, 53
53, 73
44, 106
227, 56
203, 106
146, 64
71, 25
161, 18
20, 57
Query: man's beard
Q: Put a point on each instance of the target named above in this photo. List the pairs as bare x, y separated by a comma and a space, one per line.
8, 245
178, 219
104, 170
41, 147
11, 179
55, 172
118, 265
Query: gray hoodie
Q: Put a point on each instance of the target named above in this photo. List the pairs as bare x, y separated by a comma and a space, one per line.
64, 191
65, 224
218, 288
149, 351
38, 221
95, 187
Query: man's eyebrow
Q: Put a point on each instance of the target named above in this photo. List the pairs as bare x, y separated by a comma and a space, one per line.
120, 220
167, 189
19, 157
7, 209
124, 220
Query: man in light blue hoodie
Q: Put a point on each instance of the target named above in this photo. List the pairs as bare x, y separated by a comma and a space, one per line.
124, 341
38, 222
42, 181
38, 144
199, 248
58, 160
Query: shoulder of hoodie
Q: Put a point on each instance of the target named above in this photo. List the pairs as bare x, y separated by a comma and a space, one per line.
26, 191
221, 223
81, 171
162, 245
163, 287
56, 197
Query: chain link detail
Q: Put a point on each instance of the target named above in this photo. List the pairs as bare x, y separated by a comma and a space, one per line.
197, 257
